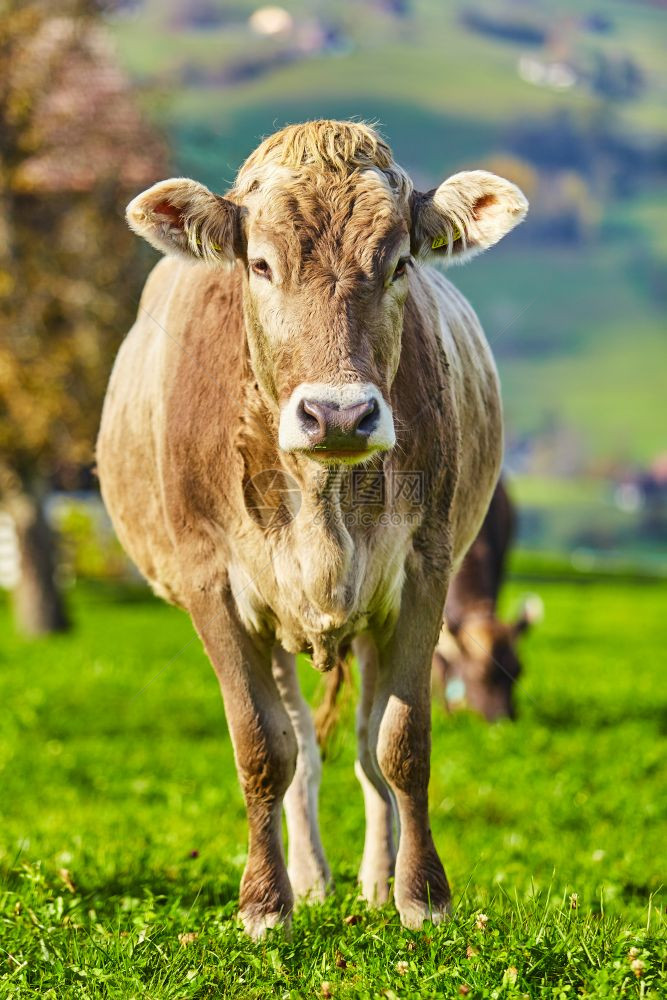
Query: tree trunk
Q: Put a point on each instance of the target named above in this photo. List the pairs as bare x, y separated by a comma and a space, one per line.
38, 604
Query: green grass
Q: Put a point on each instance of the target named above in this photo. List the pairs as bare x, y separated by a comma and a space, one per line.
115, 765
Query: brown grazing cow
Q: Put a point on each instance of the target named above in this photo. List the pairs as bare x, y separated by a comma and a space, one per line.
476, 660
300, 440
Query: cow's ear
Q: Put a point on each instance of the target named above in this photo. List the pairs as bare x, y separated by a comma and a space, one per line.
531, 612
468, 213
184, 218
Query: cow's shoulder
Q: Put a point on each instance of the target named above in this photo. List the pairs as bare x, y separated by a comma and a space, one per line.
166, 450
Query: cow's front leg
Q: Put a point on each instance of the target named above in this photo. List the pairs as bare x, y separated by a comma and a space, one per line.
400, 734
265, 750
307, 866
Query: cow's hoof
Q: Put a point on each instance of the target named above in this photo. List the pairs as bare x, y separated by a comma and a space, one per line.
414, 913
256, 924
421, 890
265, 900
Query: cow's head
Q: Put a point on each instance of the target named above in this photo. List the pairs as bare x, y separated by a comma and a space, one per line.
478, 660
328, 230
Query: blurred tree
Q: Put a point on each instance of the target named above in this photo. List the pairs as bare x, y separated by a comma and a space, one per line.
73, 147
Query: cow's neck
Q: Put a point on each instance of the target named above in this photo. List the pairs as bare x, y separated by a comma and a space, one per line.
317, 556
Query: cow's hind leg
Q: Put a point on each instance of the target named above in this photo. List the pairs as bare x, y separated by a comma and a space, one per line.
265, 749
400, 735
307, 866
379, 857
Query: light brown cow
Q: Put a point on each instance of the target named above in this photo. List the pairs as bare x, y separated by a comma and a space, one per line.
291, 328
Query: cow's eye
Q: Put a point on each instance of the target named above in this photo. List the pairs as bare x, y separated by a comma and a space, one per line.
400, 269
261, 268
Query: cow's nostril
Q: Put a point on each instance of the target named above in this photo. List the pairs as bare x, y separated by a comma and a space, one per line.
312, 417
369, 420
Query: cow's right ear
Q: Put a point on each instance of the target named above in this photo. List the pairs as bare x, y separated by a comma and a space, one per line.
182, 217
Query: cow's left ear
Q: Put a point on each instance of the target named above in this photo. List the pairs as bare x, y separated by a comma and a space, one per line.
468, 213
531, 612
182, 217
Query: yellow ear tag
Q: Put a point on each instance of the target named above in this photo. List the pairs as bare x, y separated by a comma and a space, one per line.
214, 246
443, 241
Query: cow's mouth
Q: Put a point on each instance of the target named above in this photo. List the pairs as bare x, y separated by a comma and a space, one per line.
346, 456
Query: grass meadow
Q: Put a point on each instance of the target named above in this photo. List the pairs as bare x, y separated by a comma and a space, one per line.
123, 830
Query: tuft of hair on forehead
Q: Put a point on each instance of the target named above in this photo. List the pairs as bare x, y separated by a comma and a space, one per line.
339, 147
